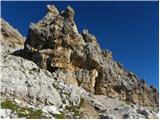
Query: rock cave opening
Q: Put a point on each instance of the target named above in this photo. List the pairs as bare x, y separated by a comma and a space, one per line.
97, 83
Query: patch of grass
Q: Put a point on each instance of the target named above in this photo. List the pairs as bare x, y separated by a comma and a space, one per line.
81, 102
77, 113
79, 82
74, 109
37, 114
22, 111
8, 105
59, 116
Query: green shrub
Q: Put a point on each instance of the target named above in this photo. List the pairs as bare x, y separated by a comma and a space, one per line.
81, 102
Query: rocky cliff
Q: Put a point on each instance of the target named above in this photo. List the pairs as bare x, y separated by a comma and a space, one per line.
55, 44
66, 74
11, 39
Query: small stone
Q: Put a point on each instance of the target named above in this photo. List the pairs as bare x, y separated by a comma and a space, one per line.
146, 113
7, 114
50, 109
126, 116
17, 101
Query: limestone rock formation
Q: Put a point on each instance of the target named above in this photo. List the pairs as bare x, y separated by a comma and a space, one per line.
11, 39
58, 72
54, 43
24, 86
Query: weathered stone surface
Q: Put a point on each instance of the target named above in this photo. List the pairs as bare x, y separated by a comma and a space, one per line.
88, 37
52, 9
50, 109
26, 84
69, 13
11, 39
22, 79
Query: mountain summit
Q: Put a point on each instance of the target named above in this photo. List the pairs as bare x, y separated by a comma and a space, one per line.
63, 68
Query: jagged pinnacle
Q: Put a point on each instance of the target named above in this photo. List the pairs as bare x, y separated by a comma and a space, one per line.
52, 9
69, 12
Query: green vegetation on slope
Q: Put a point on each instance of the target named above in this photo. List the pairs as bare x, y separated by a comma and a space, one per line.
25, 112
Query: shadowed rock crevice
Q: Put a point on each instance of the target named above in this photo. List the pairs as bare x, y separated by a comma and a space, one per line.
97, 83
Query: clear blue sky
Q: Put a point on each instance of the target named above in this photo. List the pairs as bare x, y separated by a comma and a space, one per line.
129, 29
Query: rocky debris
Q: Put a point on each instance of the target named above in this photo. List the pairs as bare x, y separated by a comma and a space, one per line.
110, 108
51, 110
98, 105
7, 114
70, 94
145, 113
89, 110
149, 113
11, 39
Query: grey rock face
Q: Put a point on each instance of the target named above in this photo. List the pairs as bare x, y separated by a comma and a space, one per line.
50, 109
71, 94
11, 39
24, 80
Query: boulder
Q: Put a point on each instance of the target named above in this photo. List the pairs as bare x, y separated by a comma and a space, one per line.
50, 109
